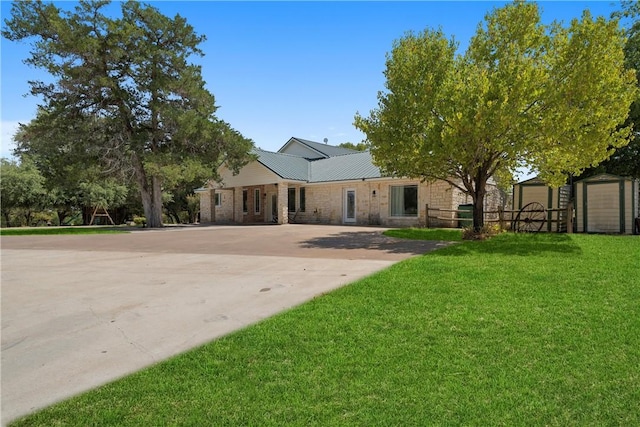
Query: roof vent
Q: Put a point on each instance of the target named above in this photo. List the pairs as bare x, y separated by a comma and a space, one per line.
326, 141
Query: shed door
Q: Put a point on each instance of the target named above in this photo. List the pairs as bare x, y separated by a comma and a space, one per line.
603, 208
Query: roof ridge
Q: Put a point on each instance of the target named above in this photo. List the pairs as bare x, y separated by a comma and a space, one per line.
280, 154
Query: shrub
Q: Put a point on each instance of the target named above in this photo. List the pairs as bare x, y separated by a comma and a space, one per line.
487, 231
140, 221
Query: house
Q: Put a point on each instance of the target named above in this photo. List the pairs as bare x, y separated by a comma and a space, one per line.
607, 204
311, 182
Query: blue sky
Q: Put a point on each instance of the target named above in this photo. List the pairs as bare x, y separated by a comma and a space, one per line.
283, 69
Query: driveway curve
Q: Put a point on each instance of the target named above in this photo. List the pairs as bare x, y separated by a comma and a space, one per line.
82, 310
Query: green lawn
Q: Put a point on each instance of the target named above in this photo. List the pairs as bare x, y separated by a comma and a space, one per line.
529, 329
446, 234
37, 231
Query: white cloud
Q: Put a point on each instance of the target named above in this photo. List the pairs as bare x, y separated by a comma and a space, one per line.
7, 131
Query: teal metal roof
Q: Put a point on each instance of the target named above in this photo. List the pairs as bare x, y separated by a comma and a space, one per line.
324, 150
286, 166
353, 166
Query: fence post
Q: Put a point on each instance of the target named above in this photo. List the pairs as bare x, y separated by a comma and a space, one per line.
426, 215
501, 217
569, 217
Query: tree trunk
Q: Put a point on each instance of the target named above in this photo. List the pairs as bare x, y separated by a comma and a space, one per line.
27, 217
154, 219
174, 215
62, 215
151, 195
478, 196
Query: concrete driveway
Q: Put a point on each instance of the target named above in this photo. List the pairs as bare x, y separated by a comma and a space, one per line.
80, 311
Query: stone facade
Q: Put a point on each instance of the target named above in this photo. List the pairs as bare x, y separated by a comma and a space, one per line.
331, 185
210, 212
325, 203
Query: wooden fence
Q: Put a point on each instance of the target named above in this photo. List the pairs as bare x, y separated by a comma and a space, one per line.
505, 218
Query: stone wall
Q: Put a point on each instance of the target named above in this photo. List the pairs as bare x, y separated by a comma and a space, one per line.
224, 212
324, 203
205, 206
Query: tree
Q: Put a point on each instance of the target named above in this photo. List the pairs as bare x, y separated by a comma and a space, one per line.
550, 98
124, 90
21, 186
625, 161
184, 179
62, 158
361, 146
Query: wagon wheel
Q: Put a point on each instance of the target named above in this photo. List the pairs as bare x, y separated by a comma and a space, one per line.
530, 218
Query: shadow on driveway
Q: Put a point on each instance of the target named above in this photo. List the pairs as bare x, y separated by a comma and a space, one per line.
374, 241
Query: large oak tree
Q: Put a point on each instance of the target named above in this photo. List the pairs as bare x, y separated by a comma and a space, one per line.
548, 97
123, 87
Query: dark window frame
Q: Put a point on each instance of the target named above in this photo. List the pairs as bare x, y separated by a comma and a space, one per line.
256, 201
406, 204
291, 202
245, 201
302, 195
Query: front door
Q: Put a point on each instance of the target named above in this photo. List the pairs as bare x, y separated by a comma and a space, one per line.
349, 206
273, 207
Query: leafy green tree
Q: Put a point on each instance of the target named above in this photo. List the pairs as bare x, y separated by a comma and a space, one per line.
184, 179
625, 161
361, 146
21, 187
105, 194
126, 85
64, 161
524, 94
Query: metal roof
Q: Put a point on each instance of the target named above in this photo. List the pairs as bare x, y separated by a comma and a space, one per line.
353, 166
357, 165
324, 150
286, 166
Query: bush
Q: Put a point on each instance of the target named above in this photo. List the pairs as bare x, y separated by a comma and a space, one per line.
487, 231
140, 221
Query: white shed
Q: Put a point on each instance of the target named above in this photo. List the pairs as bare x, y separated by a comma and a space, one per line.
606, 204
536, 190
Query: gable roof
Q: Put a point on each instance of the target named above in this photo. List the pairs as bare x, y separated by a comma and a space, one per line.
358, 165
605, 177
323, 150
286, 166
354, 165
535, 180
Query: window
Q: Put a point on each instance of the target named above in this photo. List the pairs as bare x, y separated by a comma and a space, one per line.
404, 200
256, 200
245, 196
218, 199
292, 199
303, 199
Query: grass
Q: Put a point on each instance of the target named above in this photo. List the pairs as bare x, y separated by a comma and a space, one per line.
445, 234
41, 231
517, 330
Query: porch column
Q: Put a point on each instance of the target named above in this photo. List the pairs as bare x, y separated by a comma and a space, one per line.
238, 215
205, 205
212, 201
283, 203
